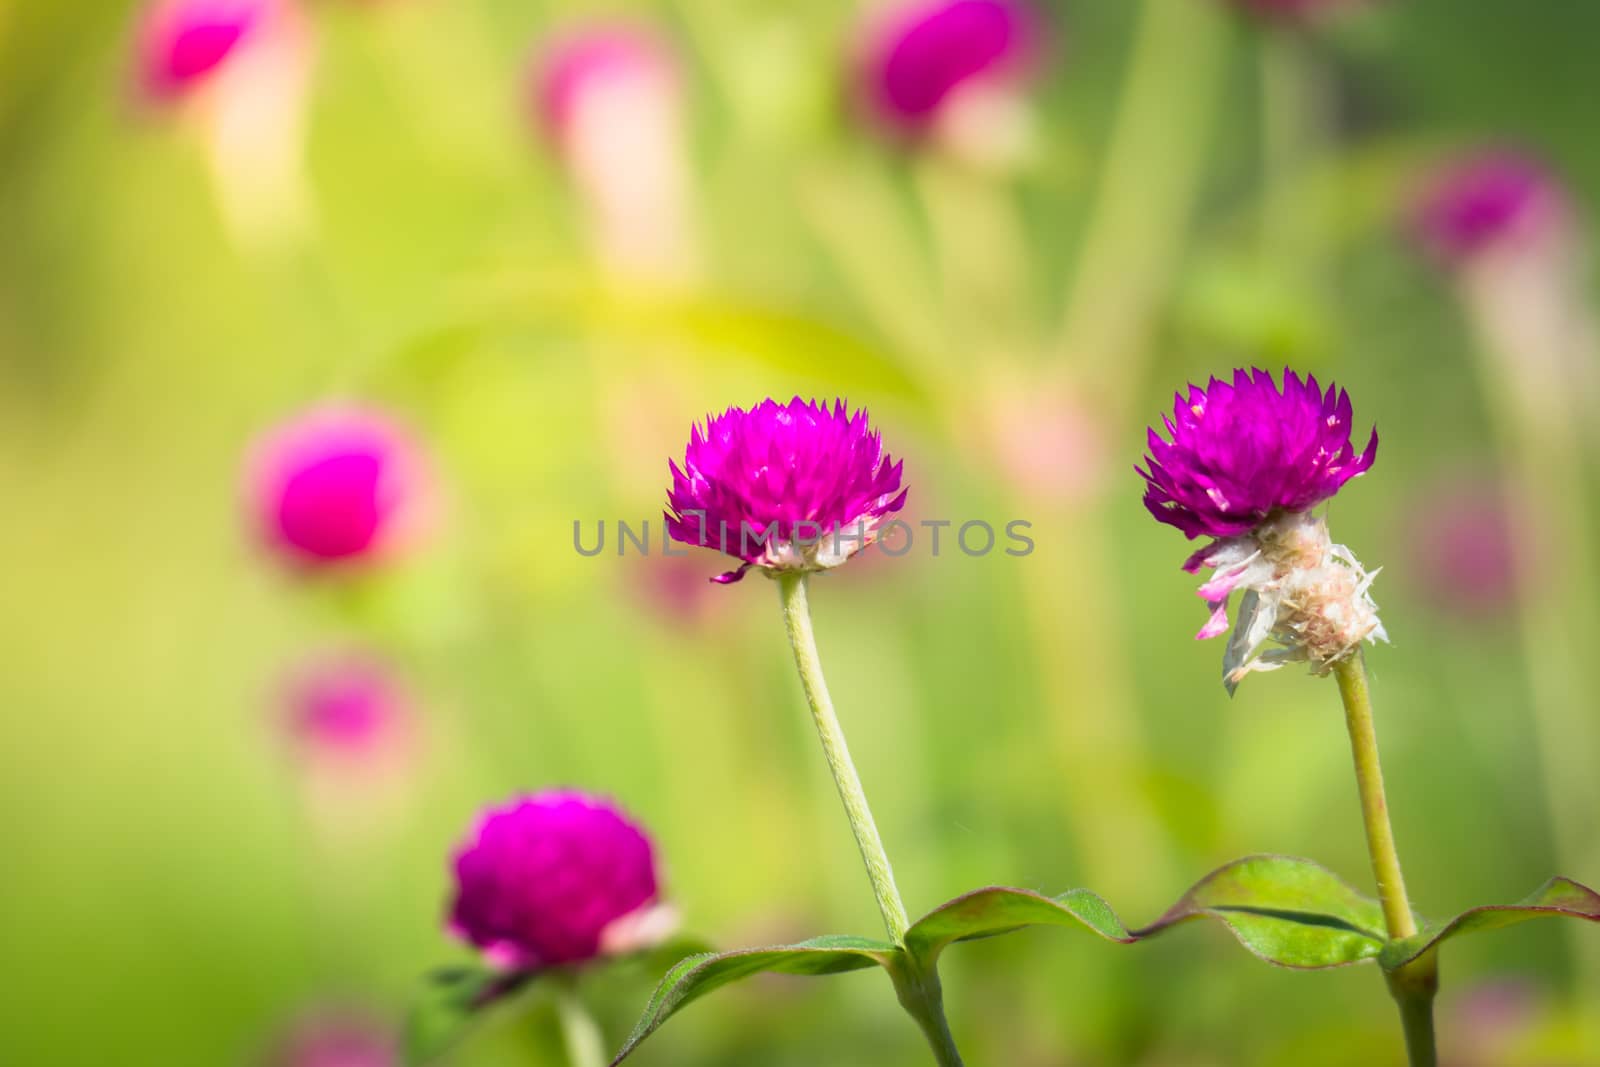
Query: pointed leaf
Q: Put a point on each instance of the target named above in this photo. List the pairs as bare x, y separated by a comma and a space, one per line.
1287, 911
1558, 896
696, 976
998, 910
452, 1000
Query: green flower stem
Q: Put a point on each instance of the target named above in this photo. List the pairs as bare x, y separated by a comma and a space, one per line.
797, 620
922, 997
1414, 985
579, 1032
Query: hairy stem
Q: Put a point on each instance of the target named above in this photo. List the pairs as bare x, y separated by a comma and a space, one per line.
797, 620
1413, 986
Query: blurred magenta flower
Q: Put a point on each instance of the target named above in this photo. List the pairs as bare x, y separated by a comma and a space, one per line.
608, 98
1244, 465
784, 487
953, 69
348, 711
1463, 558
1491, 200
556, 878
181, 43
339, 484
1243, 451
337, 1038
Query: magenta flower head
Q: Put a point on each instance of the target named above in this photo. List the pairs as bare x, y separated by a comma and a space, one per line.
1492, 200
338, 485
784, 487
921, 57
181, 43
556, 879
1244, 463
337, 1038
591, 60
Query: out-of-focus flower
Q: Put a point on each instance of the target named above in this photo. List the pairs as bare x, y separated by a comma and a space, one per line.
1244, 465
347, 712
954, 71
608, 98
556, 878
338, 485
784, 487
337, 1038
1291, 10
182, 43
1046, 440
1463, 557
1488, 201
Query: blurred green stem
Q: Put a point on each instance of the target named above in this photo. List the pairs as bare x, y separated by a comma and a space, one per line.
579, 1032
1413, 986
797, 620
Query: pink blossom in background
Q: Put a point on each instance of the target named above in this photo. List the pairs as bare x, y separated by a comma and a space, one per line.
182, 43
337, 1038
1491, 200
1463, 555
608, 98
338, 484
954, 71
348, 712
555, 878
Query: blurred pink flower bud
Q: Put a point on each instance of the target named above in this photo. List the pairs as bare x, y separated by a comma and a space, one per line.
181, 43
348, 713
952, 71
1463, 557
1492, 200
337, 1038
608, 98
339, 484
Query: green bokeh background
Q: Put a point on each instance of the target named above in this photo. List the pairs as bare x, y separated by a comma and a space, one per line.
169, 898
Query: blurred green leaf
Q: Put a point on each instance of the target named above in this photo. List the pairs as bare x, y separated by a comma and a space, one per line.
1287, 911
696, 976
997, 910
1558, 896
452, 1000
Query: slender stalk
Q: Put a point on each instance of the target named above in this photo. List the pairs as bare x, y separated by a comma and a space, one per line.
579, 1032
922, 996
1414, 985
797, 620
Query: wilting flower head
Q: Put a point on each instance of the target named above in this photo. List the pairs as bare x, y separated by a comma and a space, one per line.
337, 1038
338, 484
182, 42
1490, 200
555, 878
1241, 451
1244, 463
796, 486
348, 711
921, 56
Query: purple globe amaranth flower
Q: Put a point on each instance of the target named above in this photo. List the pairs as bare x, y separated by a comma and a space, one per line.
553, 879
1491, 200
337, 485
921, 58
181, 43
784, 487
1240, 452
1244, 463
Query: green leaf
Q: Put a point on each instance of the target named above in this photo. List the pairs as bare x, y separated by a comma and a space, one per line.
1287, 911
1558, 896
452, 1000
696, 976
998, 910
